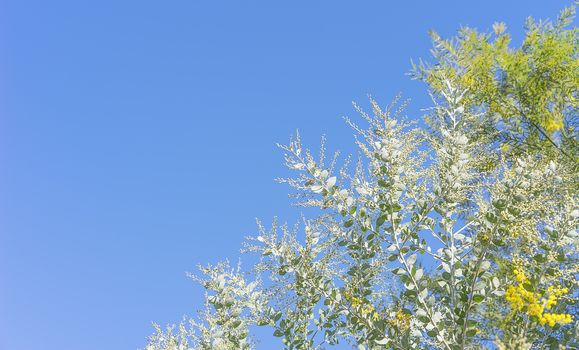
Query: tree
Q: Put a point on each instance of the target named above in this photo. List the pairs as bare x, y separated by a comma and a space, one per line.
460, 234
532, 90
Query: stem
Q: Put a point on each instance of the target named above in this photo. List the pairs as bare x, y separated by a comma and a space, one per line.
420, 300
470, 296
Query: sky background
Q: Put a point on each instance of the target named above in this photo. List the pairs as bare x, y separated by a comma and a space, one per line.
137, 140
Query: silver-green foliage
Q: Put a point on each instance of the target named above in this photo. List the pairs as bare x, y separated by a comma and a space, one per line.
437, 237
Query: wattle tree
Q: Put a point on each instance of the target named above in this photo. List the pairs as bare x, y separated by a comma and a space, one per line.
455, 232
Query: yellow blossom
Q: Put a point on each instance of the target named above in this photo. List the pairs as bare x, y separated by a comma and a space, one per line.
401, 320
534, 303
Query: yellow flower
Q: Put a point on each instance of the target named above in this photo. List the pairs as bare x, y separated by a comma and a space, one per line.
535, 304
553, 124
401, 320
365, 308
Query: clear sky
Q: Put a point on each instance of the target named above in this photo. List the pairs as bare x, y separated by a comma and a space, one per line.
137, 140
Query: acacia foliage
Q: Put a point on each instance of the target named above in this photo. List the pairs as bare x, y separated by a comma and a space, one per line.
459, 233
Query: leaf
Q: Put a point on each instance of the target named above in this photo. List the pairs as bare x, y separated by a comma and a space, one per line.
317, 188
471, 332
491, 218
499, 204
380, 221
352, 209
478, 298
382, 341
540, 258
331, 182
561, 257
383, 183
445, 267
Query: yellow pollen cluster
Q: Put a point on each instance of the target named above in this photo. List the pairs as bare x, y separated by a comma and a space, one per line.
535, 304
552, 319
400, 320
520, 276
365, 308
505, 148
553, 124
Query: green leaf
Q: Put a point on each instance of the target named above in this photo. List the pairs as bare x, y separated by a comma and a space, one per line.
540, 258
398, 271
380, 221
396, 207
383, 183
561, 257
478, 298
471, 332
432, 333
423, 319
491, 218
499, 204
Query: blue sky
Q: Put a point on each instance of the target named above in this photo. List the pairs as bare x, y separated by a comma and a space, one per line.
137, 140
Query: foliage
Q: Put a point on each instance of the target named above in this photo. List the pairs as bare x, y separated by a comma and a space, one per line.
531, 89
461, 234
